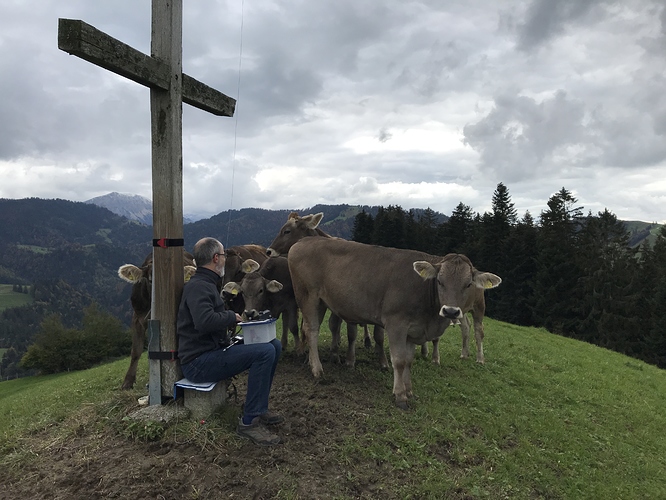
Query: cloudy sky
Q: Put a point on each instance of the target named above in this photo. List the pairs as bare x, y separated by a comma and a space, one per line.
398, 102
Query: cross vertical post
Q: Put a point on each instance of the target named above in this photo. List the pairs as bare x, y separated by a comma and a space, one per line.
166, 110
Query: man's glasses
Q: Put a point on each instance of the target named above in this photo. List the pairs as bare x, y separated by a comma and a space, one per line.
223, 254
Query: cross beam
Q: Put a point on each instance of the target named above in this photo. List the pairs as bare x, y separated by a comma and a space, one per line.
87, 42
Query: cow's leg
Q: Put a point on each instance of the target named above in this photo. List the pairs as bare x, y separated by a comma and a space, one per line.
285, 332
435, 351
424, 350
138, 341
478, 336
292, 325
378, 335
407, 375
398, 348
352, 332
335, 325
304, 339
367, 343
312, 317
464, 330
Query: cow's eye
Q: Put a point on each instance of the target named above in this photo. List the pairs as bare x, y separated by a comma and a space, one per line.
469, 284
286, 231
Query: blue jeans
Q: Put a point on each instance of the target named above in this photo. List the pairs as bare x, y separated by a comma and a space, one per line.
261, 359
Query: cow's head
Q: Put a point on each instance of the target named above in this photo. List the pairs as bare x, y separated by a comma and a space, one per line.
232, 266
293, 230
255, 290
458, 283
142, 277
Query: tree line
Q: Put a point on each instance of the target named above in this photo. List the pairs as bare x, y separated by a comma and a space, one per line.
572, 273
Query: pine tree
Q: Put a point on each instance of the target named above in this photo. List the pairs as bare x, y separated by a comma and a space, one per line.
608, 293
653, 299
556, 292
457, 230
389, 227
520, 273
427, 234
363, 227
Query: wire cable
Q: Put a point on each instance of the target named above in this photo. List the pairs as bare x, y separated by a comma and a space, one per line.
233, 161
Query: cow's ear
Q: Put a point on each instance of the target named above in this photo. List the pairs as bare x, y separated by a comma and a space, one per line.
188, 272
249, 266
313, 220
129, 273
486, 280
425, 269
273, 286
232, 288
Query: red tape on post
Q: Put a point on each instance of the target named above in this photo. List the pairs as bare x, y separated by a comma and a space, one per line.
169, 242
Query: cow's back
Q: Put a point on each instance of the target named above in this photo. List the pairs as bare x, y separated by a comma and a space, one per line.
363, 283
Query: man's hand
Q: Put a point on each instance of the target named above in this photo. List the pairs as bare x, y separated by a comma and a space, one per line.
238, 318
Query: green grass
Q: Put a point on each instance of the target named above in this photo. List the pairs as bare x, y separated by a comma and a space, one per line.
34, 248
32, 404
9, 298
545, 417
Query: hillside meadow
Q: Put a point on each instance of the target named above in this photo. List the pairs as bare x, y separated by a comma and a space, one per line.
9, 298
545, 418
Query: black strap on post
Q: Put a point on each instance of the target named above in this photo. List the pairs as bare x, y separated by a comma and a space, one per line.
168, 242
163, 355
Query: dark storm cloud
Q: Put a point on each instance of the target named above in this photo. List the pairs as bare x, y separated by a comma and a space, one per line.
546, 19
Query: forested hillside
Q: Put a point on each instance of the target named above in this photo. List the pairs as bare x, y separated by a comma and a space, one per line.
584, 276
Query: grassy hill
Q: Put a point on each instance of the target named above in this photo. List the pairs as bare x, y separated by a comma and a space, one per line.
642, 231
9, 298
546, 417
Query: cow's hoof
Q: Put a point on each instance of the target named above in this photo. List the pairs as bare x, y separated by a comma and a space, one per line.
402, 405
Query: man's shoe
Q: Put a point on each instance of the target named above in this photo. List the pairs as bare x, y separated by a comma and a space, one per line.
257, 432
269, 418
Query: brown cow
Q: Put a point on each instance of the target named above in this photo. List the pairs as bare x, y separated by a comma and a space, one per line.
236, 255
142, 280
268, 287
378, 285
292, 231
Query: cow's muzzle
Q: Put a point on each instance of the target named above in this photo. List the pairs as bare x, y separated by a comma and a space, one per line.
452, 313
254, 315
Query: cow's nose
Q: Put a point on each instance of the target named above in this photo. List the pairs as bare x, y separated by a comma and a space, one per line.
271, 253
251, 314
449, 312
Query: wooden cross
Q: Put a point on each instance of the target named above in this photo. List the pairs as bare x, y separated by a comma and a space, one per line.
169, 88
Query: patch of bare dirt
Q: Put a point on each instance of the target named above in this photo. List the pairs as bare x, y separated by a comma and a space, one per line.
98, 462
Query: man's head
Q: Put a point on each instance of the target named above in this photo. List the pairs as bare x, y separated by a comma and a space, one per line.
209, 253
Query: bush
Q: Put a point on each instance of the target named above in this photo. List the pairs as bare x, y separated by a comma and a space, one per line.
57, 349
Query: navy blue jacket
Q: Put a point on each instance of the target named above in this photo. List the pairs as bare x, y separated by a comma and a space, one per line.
203, 317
